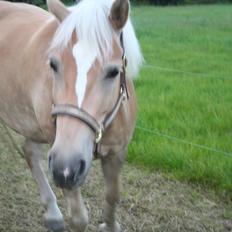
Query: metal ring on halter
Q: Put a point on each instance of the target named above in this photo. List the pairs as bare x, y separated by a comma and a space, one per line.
123, 93
124, 60
99, 134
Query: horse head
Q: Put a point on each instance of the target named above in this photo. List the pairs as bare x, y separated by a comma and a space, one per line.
86, 64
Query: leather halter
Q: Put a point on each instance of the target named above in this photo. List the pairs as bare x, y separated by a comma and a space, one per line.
76, 112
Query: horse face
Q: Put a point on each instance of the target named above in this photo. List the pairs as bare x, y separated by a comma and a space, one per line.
82, 80
96, 93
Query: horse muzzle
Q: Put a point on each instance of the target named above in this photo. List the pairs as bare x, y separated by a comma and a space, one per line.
69, 172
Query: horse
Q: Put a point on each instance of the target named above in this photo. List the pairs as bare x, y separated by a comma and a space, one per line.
67, 80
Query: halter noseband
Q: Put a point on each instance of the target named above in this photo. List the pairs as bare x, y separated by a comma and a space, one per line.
76, 112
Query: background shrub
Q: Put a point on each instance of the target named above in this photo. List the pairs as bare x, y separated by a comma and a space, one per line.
138, 2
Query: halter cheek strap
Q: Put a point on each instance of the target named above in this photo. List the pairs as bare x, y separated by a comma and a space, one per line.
76, 112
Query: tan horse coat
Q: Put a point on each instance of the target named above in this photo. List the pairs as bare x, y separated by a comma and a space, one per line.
25, 105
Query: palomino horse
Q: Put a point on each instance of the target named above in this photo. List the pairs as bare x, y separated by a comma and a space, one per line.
70, 63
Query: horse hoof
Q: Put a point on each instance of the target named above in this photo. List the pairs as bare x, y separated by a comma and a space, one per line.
55, 225
79, 225
106, 228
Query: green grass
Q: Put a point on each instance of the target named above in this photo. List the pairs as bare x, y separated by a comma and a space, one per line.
185, 91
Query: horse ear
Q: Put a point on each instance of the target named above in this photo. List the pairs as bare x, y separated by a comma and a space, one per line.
57, 8
119, 13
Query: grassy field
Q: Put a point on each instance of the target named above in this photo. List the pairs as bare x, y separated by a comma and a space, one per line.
185, 93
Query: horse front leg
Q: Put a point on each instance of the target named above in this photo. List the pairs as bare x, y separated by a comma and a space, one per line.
53, 217
77, 210
111, 166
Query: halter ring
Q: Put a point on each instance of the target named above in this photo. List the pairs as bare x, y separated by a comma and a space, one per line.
124, 61
99, 134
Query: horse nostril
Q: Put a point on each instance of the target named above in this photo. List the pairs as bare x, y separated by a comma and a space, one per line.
82, 168
59, 178
80, 171
49, 161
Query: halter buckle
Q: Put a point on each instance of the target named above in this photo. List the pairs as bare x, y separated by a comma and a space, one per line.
123, 92
124, 61
99, 134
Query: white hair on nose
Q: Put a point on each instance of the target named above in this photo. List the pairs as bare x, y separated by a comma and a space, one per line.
66, 172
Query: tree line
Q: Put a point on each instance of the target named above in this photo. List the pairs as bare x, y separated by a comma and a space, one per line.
137, 2
34, 2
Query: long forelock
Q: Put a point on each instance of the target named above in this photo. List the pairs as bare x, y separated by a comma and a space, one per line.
90, 20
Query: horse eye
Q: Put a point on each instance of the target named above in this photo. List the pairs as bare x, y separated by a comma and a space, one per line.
53, 64
112, 73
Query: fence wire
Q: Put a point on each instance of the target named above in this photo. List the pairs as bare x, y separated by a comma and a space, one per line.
156, 132
198, 74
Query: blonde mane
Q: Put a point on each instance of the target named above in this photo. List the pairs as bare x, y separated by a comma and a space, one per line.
89, 18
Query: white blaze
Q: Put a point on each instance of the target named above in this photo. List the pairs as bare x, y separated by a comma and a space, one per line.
84, 59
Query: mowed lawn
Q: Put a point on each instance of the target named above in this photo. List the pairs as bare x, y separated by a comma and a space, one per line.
184, 93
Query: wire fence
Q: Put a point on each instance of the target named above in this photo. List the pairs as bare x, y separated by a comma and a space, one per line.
156, 132
198, 74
